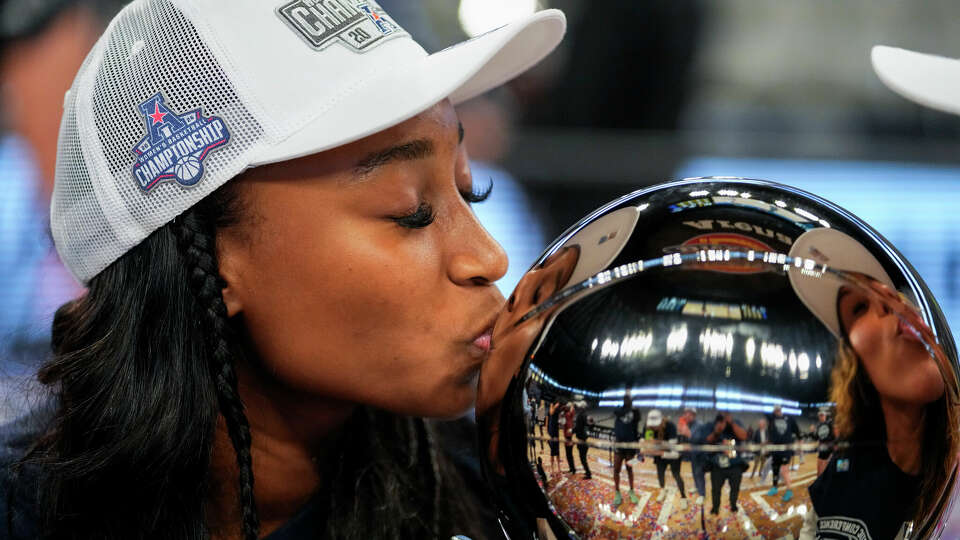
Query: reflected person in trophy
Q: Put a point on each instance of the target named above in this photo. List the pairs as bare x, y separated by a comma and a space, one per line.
783, 431
760, 457
553, 432
626, 420
892, 404
580, 430
666, 431
569, 414
724, 466
686, 425
825, 435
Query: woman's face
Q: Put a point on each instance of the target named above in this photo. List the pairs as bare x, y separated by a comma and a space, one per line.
362, 274
895, 358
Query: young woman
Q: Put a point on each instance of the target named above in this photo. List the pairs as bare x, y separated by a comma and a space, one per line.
256, 350
894, 410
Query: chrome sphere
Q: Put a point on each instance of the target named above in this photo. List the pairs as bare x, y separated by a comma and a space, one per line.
720, 357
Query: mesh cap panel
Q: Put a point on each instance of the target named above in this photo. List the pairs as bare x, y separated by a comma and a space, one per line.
179, 96
99, 209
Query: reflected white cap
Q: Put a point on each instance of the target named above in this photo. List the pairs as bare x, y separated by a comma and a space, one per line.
179, 96
836, 250
927, 79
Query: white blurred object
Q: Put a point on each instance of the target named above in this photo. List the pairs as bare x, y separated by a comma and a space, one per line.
479, 16
927, 79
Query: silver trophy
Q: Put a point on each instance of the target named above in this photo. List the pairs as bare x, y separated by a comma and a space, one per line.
720, 358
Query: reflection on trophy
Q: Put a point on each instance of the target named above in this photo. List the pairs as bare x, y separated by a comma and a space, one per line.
768, 350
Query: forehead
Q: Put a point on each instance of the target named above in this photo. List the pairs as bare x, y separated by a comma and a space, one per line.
434, 123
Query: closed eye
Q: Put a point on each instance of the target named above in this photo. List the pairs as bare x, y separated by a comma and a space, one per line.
418, 219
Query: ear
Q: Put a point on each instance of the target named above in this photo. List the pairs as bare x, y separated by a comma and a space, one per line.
231, 299
230, 272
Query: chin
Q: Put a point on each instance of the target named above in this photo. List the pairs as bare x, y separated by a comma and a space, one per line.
452, 403
932, 390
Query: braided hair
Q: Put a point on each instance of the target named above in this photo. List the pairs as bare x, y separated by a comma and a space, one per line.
143, 368
198, 245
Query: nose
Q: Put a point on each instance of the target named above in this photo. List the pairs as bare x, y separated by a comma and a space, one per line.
477, 258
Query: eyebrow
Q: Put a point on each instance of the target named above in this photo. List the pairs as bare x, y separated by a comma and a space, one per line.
841, 293
408, 151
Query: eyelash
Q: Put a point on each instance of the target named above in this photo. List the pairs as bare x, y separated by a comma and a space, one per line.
424, 215
420, 218
478, 196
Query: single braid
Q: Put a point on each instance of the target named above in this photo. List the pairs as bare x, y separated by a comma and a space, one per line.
197, 243
435, 470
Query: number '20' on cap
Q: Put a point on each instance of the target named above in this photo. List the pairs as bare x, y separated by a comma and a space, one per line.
179, 96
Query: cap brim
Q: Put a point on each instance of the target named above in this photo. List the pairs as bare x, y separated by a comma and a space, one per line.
401, 92
819, 292
927, 79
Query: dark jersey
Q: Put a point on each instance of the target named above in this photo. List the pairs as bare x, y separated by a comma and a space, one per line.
782, 429
580, 425
625, 424
553, 422
863, 494
824, 432
669, 434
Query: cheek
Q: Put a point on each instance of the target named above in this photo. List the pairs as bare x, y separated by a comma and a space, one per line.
926, 382
896, 372
876, 357
358, 320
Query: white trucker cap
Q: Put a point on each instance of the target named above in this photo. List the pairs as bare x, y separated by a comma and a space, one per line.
927, 79
836, 250
179, 96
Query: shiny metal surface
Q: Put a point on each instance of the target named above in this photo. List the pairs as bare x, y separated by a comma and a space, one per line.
686, 339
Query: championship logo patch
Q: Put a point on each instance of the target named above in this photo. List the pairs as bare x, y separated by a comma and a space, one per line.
175, 145
360, 25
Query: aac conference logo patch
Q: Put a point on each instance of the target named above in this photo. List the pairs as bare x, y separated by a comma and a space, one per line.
358, 25
842, 528
175, 145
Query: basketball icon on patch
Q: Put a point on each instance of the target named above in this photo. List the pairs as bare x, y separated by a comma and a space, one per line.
175, 145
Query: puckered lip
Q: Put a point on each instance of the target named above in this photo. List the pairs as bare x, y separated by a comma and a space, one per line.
906, 330
484, 339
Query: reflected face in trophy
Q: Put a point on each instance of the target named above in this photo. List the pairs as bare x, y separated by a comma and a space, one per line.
542, 281
510, 340
891, 351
